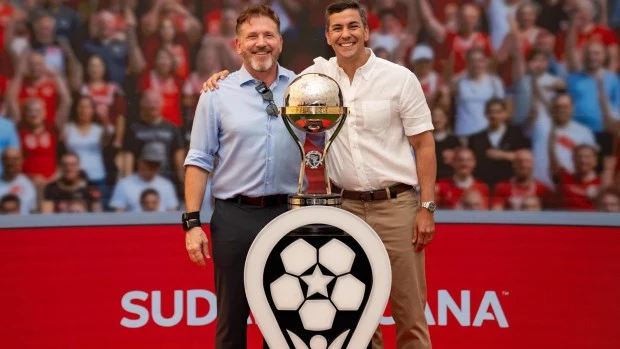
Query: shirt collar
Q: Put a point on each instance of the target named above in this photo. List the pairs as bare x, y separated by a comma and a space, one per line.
245, 76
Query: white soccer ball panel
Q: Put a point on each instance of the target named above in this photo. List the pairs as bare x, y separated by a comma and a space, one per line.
348, 293
298, 257
286, 293
337, 257
317, 315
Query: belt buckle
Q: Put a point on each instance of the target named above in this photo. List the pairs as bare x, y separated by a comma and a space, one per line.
262, 202
367, 195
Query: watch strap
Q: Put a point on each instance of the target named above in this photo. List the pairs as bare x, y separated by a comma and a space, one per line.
190, 220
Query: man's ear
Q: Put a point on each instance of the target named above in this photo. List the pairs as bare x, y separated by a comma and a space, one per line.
238, 45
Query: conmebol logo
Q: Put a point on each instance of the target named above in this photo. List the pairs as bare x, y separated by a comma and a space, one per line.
139, 313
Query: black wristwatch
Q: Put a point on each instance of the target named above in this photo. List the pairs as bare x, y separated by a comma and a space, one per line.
190, 220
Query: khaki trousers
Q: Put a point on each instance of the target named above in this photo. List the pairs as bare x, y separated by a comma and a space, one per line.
393, 221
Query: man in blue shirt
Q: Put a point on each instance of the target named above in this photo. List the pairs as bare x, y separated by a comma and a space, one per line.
594, 90
257, 165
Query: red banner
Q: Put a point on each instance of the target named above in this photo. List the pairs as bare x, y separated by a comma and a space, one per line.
490, 286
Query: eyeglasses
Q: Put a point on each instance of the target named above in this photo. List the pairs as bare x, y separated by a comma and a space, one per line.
265, 92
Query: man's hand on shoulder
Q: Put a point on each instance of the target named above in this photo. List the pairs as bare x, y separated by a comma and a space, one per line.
211, 83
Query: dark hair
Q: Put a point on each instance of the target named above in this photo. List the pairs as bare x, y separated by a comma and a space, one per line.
70, 153
495, 101
253, 11
341, 5
475, 50
386, 12
537, 52
78, 98
9, 198
148, 191
105, 68
173, 61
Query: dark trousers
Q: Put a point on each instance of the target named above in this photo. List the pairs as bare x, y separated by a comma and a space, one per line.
233, 229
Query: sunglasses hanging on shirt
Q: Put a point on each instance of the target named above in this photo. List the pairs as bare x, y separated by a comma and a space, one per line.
265, 92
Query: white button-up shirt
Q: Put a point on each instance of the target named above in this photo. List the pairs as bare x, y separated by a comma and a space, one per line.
386, 105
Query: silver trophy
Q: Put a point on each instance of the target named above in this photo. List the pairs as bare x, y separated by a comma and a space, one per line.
314, 104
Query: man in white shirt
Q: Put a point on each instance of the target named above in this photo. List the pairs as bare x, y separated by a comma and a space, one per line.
567, 135
14, 182
126, 196
371, 162
372, 165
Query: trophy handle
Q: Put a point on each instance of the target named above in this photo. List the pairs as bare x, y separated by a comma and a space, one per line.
302, 166
328, 185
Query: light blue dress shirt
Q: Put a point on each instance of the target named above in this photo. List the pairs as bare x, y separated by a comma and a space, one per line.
8, 137
256, 154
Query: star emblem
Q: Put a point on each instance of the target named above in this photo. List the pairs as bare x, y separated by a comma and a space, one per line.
317, 282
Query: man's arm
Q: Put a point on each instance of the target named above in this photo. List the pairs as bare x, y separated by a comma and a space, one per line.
436, 29
135, 58
426, 164
199, 162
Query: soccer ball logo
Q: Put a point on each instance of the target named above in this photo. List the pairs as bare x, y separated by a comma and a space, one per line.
318, 284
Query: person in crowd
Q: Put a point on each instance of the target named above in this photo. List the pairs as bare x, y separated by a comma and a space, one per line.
72, 184
176, 12
39, 143
578, 191
421, 60
208, 62
472, 200
162, 79
582, 29
108, 96
152, 127
122, 57
565, 136
9, 204
149, 200
513, 193
85, 137
445, 143
608, 200
499, 15
449, 190
472, 91
457, 44
57, 51
596, 96
520, 40
34, 79
14, 182
68, 24
128, 191
595, 90
389, 33
175, 43
496, 146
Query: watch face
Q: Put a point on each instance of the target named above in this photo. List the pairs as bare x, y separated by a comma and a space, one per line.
431, 206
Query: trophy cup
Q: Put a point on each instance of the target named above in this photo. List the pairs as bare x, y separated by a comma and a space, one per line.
317, 276
314, 104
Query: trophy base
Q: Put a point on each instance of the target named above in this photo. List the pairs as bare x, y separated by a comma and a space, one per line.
303, 200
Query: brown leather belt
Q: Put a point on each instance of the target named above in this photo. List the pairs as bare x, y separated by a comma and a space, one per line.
261, 201
371, 195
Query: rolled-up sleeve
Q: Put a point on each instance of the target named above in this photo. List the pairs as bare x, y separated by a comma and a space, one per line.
204, 142
414, 111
